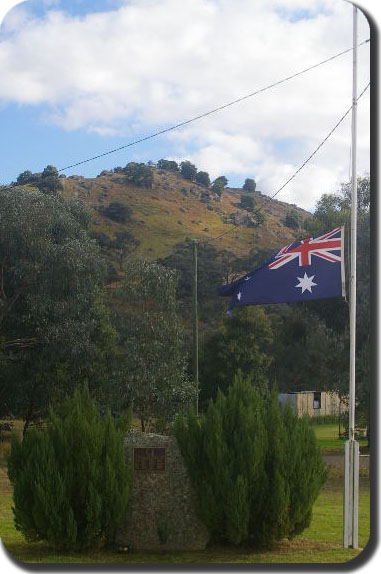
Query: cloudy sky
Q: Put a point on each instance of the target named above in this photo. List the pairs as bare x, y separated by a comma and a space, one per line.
81, 77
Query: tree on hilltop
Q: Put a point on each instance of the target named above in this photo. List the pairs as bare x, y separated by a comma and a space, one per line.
249, 185
202, 177
25, 177
219, 185
50, 182
47, 182
139, 174
188, 170
168, 165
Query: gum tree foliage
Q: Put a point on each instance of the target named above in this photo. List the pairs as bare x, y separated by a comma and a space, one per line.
47, 182
210, 276
331, 211
70, 481
54, 326
219, 185
303, 344
25, 177
151, 343
168, 165
202, 177
138, 174
188, 170
255, 467
243, 342
249, 185
125, 243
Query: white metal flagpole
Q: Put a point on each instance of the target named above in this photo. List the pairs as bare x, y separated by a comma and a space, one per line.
351, 480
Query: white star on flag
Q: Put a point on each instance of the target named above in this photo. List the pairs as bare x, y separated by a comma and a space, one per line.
239, 295
306, 283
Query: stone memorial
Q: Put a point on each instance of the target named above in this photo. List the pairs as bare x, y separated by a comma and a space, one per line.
162, 508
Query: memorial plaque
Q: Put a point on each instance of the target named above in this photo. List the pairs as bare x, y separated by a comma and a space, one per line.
150, 459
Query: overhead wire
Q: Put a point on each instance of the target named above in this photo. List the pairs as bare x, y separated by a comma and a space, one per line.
213, 111
224, 106
270, 198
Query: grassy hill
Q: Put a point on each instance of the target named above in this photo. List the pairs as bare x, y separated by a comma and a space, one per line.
175, 209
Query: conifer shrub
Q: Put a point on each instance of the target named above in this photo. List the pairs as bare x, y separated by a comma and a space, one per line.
255, 467
70, 481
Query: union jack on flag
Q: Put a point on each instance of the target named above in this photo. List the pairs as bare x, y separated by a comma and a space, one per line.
309, 269
326, 246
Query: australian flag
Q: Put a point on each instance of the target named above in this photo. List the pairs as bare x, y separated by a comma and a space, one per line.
302, 271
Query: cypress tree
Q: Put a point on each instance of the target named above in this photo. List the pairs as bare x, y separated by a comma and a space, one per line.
70, 481
274, 519
305, 470
255, 466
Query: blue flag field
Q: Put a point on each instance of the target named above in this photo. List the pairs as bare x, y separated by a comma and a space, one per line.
309, 269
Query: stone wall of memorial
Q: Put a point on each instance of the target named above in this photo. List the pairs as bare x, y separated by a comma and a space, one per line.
162, 509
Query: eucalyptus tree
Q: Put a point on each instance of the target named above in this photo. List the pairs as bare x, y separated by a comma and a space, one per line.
334, 210
151, 343
54, 327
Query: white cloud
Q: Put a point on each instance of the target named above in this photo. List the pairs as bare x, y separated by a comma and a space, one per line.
154, 63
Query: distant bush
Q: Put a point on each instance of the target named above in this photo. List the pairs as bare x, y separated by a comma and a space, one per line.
112, 274
117, 211
247, 202
292, 219
259, 217
102, 239
255, 467
70, 482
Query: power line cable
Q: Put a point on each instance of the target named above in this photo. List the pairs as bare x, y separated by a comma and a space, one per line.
270, 198
210, 112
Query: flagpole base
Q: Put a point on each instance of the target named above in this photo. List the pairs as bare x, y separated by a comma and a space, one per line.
351, 493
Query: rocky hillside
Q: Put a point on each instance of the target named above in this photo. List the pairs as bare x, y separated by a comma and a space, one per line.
174, 209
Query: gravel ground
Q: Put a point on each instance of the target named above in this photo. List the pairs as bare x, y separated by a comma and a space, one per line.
337, 460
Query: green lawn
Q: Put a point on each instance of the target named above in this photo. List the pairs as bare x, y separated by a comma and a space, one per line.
320, 543
328, 437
